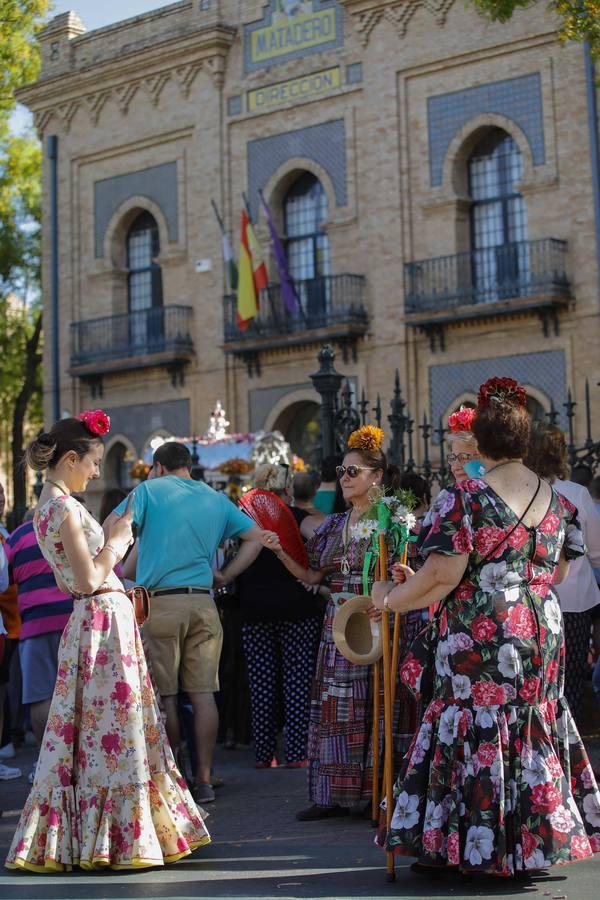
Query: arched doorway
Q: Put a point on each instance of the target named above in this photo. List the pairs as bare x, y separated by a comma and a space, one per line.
300, 424
117, 466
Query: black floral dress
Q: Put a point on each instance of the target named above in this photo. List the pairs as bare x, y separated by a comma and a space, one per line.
497, 778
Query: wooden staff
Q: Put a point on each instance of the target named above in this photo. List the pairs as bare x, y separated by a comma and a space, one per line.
388, 762
375, 746
396, 643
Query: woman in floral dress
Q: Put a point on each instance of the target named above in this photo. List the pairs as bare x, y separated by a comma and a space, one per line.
496, 778
106, 789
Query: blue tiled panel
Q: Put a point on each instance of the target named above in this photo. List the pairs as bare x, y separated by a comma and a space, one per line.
158, 183
519, 99
545, 371
325, 144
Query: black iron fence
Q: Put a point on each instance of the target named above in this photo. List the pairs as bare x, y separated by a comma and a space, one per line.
420, 447
487, 275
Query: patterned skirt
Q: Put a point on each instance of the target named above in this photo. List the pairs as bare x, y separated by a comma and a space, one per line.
106, 789
340, 752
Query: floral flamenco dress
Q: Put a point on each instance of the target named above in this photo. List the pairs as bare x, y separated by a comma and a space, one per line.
106, 789
497, 779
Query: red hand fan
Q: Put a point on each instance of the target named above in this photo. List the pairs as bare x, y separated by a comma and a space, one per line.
271, 513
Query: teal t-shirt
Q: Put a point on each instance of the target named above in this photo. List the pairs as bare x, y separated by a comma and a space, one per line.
180, 524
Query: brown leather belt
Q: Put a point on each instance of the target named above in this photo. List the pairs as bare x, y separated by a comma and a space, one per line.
138, 596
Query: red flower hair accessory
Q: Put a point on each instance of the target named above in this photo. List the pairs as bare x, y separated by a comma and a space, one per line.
96, 421
501, 390
462, 419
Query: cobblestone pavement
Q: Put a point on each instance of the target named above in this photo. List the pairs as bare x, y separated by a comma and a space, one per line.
260, 850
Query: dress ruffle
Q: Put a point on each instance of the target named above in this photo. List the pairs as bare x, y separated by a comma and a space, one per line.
496, 789
125, 826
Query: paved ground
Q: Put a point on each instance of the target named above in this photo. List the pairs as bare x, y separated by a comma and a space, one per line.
260, 850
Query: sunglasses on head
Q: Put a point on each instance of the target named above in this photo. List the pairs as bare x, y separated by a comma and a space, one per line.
351, 471
459, 457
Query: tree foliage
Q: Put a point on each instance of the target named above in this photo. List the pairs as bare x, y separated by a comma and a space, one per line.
580, 18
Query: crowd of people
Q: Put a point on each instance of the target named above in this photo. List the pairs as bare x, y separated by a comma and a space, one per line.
503, 570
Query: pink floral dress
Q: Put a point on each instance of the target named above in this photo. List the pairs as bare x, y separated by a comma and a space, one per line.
106, 789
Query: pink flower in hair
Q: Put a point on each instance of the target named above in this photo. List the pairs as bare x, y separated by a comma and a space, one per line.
96, 421
462, 420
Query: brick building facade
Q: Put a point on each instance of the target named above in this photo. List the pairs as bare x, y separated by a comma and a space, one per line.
432, 174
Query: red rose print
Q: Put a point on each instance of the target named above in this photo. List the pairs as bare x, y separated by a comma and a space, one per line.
520, 622
465, 591
182, 845
488, 693
595, 842
486, 754
410, 671
554, 766
580, 846
82, 760
100, 620
111, 743
549, 524
530, 689
121, 693
137, 829
67, 733
453, 848
64, 776
433, 711
552, 671
483, 628
529, 842
545, 798
518, 538
461, 540
487, 538
101, 657
432, 839
44, 808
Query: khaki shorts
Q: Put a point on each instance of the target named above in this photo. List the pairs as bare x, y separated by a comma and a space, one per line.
184, 637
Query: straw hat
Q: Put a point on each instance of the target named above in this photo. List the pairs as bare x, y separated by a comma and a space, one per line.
356, 636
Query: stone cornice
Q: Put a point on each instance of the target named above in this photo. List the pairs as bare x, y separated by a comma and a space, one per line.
121, 78
366, 14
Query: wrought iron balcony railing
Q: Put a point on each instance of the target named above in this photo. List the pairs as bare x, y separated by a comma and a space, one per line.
331, 306
492, 275
149, 337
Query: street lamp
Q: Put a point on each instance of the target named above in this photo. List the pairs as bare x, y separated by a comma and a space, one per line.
327, 383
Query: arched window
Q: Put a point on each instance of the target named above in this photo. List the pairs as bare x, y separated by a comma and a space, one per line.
307, 245
144, 281
498, 218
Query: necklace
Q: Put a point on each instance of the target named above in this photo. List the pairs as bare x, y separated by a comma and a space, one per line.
507, 462
61, 487
345, 563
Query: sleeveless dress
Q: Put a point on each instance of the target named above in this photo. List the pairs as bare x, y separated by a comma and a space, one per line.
497, 779
107, 791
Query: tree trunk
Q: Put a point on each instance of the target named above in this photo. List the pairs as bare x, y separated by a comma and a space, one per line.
32, 362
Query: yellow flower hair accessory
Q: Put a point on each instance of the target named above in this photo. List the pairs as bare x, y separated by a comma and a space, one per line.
369, 437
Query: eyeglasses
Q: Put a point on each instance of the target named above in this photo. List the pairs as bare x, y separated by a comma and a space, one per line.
351, 471
459, 457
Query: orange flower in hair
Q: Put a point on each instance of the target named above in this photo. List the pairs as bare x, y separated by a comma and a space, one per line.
369, 437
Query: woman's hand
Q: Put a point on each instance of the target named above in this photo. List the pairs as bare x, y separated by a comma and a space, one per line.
270, 540
379, 591
120, 535
400, 573
374, 613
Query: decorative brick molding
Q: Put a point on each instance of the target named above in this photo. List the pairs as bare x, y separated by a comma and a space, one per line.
366, 14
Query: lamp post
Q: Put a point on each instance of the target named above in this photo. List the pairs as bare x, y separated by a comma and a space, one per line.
327, 383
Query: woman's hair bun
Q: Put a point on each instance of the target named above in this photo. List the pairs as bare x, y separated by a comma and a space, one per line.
40, 451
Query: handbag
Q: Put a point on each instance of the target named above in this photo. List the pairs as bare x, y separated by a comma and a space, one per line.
139, 596
417, 669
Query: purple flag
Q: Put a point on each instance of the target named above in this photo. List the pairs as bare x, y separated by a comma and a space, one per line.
288, 291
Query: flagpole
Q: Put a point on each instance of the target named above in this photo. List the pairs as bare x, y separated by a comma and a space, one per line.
218, 217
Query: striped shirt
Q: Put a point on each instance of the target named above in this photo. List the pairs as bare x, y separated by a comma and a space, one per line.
42, 606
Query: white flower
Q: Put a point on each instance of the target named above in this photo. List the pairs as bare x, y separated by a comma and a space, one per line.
461, 687
403, 517
591, 808
496, 578
587, 778
533, 769
363, 529
434, 815
566, 728
561, 820
553, 615
406, 813
424, 736
485, 716
479, 845
509, 661
460, 642
536, 860
446, 727
442, 664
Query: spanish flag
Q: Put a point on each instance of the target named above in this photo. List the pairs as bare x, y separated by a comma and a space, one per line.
252, 274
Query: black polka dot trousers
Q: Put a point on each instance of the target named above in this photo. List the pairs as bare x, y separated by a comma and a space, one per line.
281, 659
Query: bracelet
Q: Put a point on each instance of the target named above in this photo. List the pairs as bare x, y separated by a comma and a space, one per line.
386, 602
112, 550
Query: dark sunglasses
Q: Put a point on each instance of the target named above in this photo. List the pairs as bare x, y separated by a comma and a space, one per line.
351, 471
